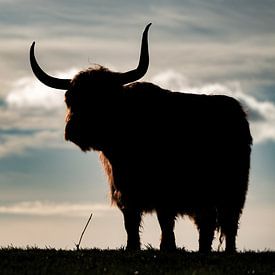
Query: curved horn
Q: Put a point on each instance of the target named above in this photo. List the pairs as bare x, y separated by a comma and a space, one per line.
48, 80
143, 64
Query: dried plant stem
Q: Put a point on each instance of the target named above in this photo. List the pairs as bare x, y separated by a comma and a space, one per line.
78, 245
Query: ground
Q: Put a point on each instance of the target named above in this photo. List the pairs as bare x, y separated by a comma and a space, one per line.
94, 261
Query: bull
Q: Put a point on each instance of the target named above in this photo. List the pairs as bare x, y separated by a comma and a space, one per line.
167, 152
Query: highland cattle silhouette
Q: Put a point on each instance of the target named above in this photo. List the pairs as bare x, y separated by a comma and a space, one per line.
167, 152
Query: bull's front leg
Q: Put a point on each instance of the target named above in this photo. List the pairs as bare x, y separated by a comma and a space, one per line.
132, 219
167, 222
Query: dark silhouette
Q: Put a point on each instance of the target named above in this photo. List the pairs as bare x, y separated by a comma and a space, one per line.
168, 152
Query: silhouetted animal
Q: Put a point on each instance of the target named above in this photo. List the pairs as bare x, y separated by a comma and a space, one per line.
169, 152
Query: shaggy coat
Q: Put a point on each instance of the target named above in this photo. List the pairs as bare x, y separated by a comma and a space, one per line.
163, 151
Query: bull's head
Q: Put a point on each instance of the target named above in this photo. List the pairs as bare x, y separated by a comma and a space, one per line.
122, 78
92, 96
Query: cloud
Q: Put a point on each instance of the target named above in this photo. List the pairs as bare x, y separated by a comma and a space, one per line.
32, 115
46, 208
14, 144
260, 113
31, 94
28, 92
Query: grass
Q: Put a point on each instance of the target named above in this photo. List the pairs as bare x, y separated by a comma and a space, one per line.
94, 261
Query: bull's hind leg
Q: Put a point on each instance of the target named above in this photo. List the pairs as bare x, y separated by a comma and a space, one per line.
229, 221
132, 219
167, 223
205, 220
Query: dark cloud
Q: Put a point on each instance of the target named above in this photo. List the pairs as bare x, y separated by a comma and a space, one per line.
17, 132
253, 114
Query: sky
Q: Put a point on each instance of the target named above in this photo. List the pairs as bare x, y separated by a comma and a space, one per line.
48, 187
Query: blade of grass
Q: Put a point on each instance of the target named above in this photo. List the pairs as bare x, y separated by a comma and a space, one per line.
78, 245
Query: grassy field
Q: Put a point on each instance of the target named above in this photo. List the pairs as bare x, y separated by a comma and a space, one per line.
51, 261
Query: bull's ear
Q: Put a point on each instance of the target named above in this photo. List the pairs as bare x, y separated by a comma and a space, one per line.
143, 64
46, 79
